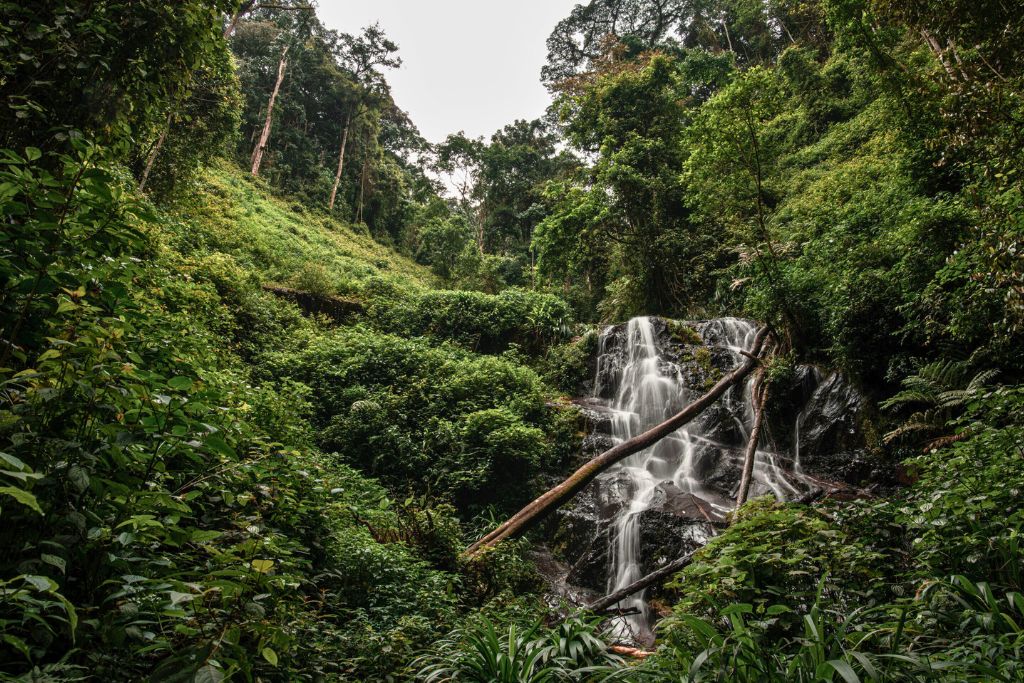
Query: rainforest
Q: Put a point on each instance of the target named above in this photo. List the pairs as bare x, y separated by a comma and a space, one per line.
712, 372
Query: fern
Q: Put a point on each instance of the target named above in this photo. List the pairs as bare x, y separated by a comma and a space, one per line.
941, 391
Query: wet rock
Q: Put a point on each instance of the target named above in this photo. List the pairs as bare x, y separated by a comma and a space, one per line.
561, 595
689, 481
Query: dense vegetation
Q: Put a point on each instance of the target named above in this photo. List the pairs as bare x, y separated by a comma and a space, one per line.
261, 381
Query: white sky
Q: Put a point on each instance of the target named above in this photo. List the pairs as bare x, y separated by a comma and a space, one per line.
471, 65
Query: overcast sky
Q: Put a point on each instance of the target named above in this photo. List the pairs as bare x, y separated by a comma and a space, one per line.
471, 65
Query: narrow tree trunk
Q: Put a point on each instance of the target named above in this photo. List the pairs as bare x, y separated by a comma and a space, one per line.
155, 152
760, 399
728, 38
243, 9
940, 54
261, 146
230, 28
618, 596
362, 191
341, 162
481, 220
530, 515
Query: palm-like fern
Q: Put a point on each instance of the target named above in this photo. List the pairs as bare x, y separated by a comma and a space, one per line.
572, 651
940, 391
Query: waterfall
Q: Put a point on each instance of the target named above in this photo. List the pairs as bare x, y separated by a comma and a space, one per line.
645, 387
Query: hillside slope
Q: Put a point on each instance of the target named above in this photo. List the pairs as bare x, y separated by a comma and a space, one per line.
285, 242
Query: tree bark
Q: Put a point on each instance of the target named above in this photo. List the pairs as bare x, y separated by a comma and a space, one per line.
243, 9
635, 653
940, 55
362, 190
530, 515
618, 596
261, 146
155, 152
760, 399
341, 162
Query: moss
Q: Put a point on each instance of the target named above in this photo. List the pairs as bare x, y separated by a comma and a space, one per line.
566, 366
684, 334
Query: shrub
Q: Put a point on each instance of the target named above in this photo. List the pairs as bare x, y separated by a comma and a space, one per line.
433, 419
482, 322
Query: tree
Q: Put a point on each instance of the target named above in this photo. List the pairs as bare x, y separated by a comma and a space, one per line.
736, 145
514, 167
133, 60
755, 31
249, 6
630, 121
459, 159
201, 126
363, 56
261, 145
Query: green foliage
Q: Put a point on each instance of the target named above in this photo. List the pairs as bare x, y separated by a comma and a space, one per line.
950, 544
441, 242
631, 119
276, 239
107, 73
198, 128
434, 418
940, 390
773, 554
962, 515
566, 366
572, 651
482, 322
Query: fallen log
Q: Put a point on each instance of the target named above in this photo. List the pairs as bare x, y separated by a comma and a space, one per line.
534, 512
618, 596
633, 652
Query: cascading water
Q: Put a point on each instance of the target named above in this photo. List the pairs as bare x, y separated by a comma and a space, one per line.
646, 388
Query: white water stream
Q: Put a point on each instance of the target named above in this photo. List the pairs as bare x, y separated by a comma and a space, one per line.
648, 389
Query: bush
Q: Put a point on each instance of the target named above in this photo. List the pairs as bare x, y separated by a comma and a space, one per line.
433, 419
573, 651
482, 322
774, 554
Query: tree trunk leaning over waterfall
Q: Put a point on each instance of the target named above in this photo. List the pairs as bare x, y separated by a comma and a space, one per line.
618, 596
530, 515
759, 396
261, 146
341, 162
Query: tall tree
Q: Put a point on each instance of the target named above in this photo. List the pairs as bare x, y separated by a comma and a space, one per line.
363, 56
261, 144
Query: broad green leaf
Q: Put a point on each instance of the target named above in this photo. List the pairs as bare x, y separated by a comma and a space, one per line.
14, 462
208, 674
263, 566
22, 496
844, 670
270, 655
180, 383
41, 583
177, 598
56, 561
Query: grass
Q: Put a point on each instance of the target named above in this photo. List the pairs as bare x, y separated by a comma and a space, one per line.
283, 241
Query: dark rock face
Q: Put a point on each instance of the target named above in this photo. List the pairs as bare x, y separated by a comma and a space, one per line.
812, 436
668, 531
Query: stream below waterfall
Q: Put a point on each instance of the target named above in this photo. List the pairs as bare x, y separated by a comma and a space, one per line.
660, 503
